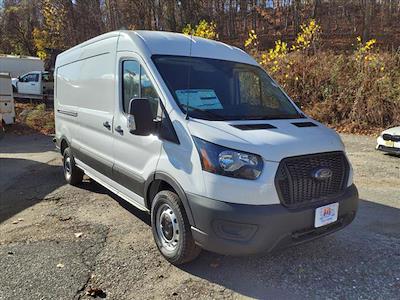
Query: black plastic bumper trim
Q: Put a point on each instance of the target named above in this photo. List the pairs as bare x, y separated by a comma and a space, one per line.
277, 226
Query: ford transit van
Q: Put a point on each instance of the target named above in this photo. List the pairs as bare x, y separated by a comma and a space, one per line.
196, 133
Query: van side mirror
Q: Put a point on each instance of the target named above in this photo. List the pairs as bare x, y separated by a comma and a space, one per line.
140, 119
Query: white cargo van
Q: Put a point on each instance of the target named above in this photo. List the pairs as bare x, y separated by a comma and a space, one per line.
196, 133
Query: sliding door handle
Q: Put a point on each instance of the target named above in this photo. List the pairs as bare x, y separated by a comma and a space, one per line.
107, 125
119, 129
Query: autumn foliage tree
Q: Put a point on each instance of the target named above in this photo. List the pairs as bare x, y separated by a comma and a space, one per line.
53, 32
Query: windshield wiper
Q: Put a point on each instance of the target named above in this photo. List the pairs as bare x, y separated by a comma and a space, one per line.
211, 114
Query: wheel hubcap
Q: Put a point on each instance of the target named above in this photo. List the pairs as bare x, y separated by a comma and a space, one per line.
67, 167
167, 227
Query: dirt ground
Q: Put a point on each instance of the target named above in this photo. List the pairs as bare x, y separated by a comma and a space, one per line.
63, 242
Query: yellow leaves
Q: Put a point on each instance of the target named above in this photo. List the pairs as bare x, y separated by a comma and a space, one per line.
364, 50
370, 43
277, 59
252, 40
53, 34
39, 40
275, 55
309, 35
204, 29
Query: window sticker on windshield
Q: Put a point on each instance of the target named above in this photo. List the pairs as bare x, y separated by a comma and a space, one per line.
199, 98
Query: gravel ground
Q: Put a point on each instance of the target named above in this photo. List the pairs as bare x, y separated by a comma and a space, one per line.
63, 242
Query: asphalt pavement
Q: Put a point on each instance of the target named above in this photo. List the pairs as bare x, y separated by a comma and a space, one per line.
64, 242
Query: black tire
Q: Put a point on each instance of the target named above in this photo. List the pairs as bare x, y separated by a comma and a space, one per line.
179, 248
73, 175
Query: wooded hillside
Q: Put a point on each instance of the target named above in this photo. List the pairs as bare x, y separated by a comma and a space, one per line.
339, 59
31, 26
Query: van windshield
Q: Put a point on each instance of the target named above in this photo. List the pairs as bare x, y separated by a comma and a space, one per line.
215, 89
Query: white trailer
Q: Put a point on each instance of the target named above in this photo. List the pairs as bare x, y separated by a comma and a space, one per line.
20, 65
7, 109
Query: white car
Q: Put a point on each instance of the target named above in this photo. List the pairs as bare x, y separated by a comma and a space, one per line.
389, 141
196, 133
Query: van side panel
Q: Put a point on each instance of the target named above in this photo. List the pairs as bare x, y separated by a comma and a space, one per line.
85, 102
66, 95
96, 105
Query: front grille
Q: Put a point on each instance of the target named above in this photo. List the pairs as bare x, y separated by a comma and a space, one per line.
296, 185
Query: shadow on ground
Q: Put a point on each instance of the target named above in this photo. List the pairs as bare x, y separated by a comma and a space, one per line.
93, 186
33, 143
13, 199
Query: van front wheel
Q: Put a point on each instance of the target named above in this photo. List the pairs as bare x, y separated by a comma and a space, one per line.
171, 229
73, 175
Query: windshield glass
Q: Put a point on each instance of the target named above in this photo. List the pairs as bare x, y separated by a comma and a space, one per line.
223, 90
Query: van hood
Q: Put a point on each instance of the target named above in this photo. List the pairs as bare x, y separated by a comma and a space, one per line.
392, 131
272, 139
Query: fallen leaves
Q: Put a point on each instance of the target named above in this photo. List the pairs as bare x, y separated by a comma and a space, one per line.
18, 221
95, 292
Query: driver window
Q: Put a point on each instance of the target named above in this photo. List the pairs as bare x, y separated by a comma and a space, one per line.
130, 82
137, 84
147, 91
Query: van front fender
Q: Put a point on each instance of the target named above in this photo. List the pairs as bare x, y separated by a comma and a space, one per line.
162, 176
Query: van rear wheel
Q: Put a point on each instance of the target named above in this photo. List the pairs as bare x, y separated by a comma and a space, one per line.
73, 175
171, 229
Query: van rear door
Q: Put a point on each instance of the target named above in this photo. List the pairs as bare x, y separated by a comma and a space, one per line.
135, 157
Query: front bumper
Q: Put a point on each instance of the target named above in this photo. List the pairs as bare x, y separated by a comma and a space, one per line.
240, 229
391, 150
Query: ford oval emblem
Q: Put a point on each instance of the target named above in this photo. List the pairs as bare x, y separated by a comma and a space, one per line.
322, 174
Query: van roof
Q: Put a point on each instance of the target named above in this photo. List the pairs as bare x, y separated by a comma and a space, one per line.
172, 43
150, 43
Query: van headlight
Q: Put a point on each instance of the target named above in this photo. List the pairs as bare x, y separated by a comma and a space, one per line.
228, 162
